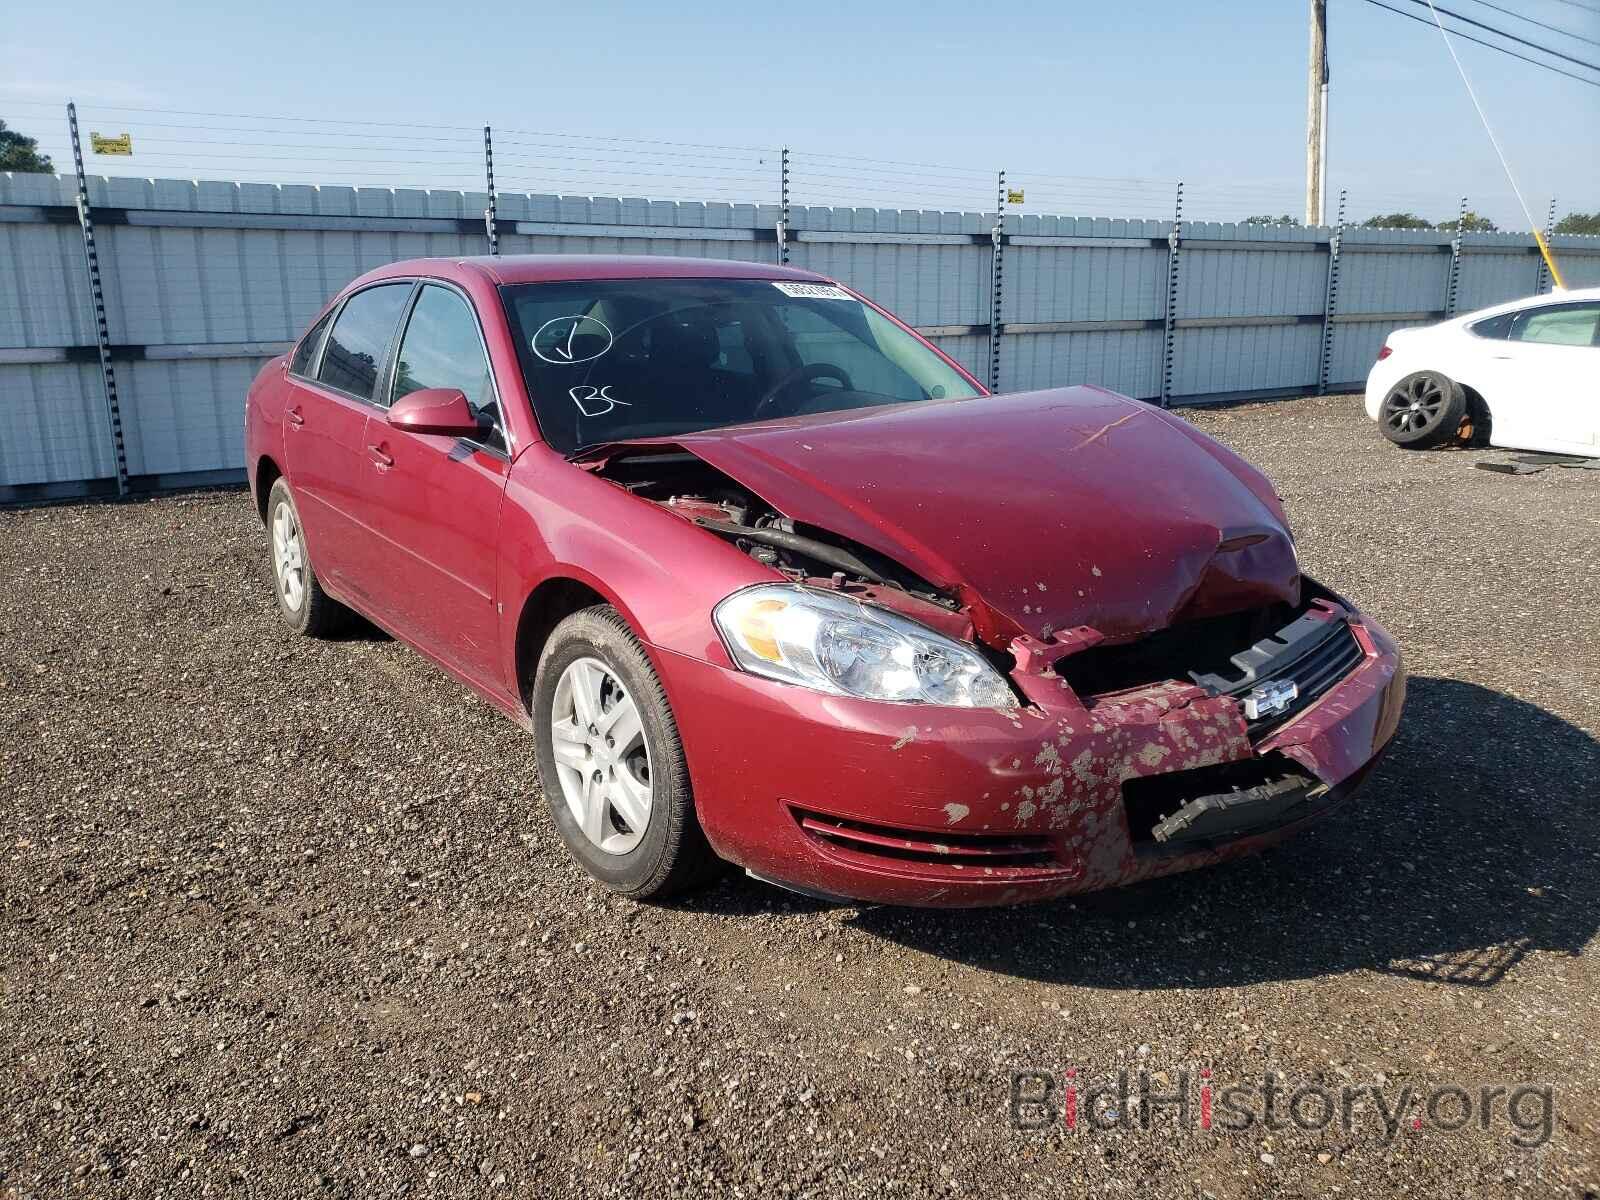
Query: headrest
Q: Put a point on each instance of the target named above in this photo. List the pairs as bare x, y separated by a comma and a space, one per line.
685, 340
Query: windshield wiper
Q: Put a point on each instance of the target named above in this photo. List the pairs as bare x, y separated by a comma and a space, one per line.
596, 451
587, 448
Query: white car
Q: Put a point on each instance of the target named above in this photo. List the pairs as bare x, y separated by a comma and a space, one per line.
1525, 375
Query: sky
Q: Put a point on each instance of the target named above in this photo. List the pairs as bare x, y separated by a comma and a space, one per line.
1092, 109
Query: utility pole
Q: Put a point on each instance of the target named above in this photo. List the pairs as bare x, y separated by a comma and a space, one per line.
1317, 116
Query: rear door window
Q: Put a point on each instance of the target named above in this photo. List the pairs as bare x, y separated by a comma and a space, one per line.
1558, 325
359, 340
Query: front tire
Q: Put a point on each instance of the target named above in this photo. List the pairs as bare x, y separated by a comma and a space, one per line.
1423, 410
611, 762
302, 603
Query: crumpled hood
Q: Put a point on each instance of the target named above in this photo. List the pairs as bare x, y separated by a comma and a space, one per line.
1042, 510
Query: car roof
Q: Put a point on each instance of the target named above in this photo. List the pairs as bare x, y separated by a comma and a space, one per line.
548, 268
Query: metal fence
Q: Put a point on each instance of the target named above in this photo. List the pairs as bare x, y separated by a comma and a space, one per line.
133, 318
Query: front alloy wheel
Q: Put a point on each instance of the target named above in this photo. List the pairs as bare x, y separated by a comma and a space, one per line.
611, 761
602, 760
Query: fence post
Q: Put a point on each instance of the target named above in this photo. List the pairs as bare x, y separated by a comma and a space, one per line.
91, 259
1549, 232
783, 209
1452, 287
1169, 336
491, 227
1330, 301
997, 285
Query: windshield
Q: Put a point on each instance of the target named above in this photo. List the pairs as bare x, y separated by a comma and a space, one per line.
612, 359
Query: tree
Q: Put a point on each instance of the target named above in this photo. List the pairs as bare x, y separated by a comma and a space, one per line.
1577, 222
18, 153
1398, 220
1471, 223
1286, 219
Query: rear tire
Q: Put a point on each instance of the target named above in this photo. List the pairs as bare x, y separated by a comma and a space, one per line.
302, 603
622, 804
1423, 410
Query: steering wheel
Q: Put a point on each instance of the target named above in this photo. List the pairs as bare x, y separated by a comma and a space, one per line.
803, 374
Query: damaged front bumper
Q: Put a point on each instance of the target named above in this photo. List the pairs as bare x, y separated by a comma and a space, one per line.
919, 805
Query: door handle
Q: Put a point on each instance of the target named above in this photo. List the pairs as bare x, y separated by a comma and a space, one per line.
382, 458
295, 416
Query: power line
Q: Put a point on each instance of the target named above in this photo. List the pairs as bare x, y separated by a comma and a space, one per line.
1510, 37
1467, 37
1482, 116
1552, 28
179, 112
1544, 249
1580, 7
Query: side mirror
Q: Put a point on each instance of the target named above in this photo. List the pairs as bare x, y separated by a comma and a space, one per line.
442, 411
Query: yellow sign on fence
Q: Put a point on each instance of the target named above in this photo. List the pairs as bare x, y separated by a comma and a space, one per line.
121, 144
1014, 196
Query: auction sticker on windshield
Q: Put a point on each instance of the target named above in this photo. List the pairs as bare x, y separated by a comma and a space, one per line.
812, 291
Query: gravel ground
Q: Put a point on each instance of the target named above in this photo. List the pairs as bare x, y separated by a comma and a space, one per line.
283, 918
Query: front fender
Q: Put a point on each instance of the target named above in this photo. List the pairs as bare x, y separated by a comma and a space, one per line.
663, 574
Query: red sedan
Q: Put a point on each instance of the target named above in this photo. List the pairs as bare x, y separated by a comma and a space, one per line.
772, 581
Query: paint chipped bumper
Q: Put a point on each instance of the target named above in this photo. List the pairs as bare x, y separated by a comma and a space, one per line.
912, 805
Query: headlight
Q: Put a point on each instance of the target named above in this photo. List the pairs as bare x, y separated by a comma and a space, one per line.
835, 644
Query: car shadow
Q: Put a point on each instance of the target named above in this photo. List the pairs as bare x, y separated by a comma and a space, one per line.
357, 628
1473, 842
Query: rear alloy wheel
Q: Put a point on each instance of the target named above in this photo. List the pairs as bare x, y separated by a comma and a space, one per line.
1423, 410
301, 601
611, 761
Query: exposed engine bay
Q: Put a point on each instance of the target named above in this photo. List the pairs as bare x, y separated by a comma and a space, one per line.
1298, 647
693, 488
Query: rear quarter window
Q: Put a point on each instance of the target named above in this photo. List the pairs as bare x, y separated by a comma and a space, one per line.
1494, 327
305, 354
